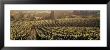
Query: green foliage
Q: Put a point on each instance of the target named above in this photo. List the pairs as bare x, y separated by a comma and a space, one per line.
60, 29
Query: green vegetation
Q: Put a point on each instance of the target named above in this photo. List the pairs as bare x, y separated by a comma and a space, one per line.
51, 28
63, 29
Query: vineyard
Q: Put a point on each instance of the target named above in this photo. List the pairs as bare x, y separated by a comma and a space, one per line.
58, 29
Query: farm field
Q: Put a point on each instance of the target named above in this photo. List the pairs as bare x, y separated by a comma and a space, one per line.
67, 28
50, 29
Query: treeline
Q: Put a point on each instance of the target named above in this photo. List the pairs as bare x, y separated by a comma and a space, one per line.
52, 14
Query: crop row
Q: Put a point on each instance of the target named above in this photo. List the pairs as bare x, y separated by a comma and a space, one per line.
56, 33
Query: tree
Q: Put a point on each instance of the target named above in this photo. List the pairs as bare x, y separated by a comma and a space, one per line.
52, 15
